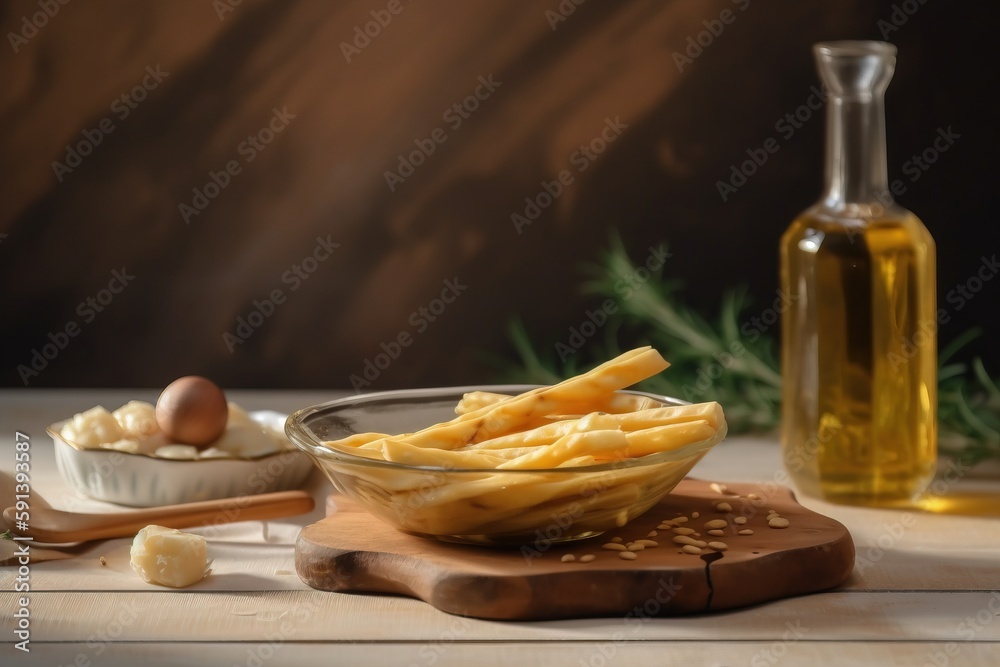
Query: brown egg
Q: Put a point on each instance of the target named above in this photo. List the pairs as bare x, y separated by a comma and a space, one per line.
192, 410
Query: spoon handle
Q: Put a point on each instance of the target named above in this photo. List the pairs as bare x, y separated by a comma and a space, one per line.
87, 527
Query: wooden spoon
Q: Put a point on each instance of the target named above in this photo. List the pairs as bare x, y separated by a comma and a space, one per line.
54, 526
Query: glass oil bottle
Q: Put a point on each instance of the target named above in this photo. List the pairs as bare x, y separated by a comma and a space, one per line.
859, 341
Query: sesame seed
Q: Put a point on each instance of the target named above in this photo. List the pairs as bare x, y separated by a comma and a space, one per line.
716, 523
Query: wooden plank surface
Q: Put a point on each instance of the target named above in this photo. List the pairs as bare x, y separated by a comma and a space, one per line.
924, 588
342, 617
448, 653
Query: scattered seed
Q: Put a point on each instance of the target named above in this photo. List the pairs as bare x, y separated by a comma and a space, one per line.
716, 533
684, 539
586, 558
636, 547
690, 549
716, 523
680, 519
746, 531
614, 546
665, 526
753, 496
777, 522
104, 561
648, 543
740, 520
718, 546
616, 539
724, 507
621, 519
695, 515
718, 488
770, 512
627, 555
652, 533
568, 558
684, 531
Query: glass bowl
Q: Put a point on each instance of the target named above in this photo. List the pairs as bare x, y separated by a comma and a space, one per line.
481, 506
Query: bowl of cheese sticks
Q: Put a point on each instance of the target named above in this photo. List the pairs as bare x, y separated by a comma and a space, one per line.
512, 464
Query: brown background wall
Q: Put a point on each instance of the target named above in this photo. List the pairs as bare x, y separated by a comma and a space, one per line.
346, 123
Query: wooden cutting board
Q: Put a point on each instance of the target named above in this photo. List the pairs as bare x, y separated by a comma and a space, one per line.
351, 550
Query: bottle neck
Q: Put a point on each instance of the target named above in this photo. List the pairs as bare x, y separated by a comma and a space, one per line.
855, 152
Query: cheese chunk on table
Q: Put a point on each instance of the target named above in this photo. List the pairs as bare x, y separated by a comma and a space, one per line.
169, 557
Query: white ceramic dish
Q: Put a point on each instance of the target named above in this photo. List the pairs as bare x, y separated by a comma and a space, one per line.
139, 480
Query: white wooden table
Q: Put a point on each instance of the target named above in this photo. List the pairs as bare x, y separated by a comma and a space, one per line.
925, 591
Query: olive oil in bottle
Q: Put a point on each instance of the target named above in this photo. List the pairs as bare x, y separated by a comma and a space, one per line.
859, 343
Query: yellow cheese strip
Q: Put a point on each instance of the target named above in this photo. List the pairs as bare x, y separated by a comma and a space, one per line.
483, 424
547, 434
667, 438
615, 404
710, 412
399, 451
593, 443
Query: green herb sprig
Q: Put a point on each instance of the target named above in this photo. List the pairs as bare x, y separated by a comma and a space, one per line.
716, 361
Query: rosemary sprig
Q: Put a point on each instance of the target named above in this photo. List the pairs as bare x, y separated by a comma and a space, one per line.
968, 406
715, 361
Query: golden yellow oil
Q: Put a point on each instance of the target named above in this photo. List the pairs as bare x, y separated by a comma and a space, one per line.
859, 358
